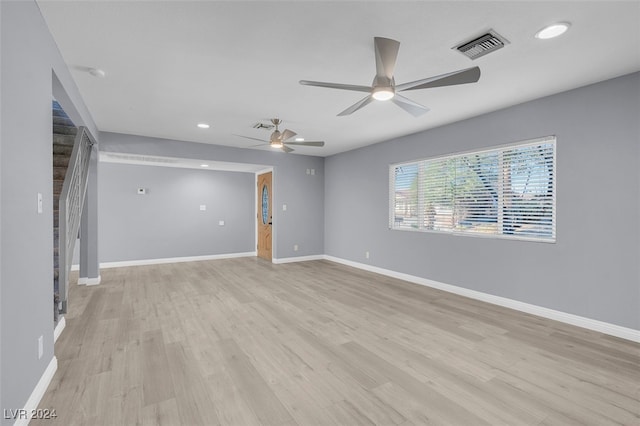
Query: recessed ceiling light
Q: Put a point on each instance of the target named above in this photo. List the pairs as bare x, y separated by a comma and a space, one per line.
553, 30
204, 165
203, 125
299, 139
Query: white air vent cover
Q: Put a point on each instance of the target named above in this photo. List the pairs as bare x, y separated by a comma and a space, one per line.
482, 45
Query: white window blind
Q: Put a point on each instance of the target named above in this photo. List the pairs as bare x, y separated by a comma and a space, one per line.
506, 191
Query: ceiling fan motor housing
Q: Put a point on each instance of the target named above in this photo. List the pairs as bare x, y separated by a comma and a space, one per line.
275, 136
383, 81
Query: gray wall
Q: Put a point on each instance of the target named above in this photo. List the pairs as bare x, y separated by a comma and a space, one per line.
29, 60
591, 271
303, 221
167, 221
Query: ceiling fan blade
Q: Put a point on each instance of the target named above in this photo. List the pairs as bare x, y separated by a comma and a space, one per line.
469, 75
353, 108
287, 134
306, 143
386, 56
336, 86
287, 149
249, 137
410, 106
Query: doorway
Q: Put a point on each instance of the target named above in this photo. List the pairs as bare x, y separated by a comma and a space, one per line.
265, 217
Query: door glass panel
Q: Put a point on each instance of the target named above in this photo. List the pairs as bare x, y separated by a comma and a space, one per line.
265, 205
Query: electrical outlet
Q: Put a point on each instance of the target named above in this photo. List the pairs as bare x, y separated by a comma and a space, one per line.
203, 207
221, 222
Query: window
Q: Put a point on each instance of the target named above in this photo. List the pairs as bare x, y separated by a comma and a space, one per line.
507, 191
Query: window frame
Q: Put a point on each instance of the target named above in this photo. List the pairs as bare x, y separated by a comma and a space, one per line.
499, 149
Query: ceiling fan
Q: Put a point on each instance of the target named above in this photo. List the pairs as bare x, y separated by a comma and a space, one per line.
384, 86
279, 139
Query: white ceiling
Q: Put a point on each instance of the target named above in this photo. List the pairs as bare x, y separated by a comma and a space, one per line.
172, 64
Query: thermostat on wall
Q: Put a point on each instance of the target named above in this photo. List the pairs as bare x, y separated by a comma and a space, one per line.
142, 191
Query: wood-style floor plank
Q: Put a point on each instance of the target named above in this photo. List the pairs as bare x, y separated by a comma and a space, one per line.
247, 342
156, 379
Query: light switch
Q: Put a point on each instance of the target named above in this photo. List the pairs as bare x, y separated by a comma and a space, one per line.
203, 207
313, 172
284, 207
39, 202
221, 222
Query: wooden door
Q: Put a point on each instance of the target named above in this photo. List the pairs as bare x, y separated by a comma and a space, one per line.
264, 216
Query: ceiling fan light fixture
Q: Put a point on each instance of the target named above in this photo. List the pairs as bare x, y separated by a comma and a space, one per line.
282, 140
383, 93
553, 30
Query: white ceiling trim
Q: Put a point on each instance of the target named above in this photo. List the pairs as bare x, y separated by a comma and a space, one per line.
183, 163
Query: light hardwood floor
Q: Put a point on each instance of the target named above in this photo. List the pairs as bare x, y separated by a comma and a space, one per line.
245, 342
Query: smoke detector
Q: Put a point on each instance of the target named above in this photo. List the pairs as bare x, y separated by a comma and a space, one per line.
483, 45
97, 72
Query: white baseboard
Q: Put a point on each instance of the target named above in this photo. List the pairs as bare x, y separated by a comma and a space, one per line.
62, 323
94, 281
38, 392
89, 281
124, 263
298, 259
588, 323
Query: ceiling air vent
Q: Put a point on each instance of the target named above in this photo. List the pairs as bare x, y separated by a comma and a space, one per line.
264, 126
482, 45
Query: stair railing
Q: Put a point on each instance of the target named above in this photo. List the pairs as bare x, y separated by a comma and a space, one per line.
72, 197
